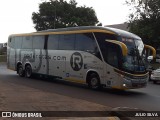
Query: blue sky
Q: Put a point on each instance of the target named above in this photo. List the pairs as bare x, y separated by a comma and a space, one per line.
16, 15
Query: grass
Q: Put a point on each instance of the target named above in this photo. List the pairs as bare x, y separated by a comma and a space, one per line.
3, 58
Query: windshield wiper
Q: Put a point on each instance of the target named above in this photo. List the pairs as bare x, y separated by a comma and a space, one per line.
139, 58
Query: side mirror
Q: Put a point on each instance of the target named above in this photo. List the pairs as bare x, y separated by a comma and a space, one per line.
148, 47
122, 46
150, 58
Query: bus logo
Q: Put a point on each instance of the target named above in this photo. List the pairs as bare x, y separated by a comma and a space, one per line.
76, 61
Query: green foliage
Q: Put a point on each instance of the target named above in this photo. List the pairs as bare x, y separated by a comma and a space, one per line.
60, 14
3, 50
3, 58
145, 20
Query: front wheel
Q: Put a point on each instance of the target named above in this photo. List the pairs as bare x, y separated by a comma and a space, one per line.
155, 82
94, 82
28, 71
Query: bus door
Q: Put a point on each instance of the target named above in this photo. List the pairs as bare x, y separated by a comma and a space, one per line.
114, 56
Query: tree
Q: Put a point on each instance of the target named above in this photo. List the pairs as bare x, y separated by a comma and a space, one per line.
60, 14
145, 20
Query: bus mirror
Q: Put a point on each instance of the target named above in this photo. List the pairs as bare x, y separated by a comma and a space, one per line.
148, 47
150, 58
121, 45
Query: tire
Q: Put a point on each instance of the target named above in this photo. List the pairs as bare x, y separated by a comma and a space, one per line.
20, 71
155, 82
94, 81
28, 71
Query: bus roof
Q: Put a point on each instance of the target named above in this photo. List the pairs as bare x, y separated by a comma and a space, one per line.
83, 29
113, 30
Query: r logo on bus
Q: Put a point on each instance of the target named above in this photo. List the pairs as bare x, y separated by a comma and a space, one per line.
76, 61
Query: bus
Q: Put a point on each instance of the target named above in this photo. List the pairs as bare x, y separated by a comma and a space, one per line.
95, 56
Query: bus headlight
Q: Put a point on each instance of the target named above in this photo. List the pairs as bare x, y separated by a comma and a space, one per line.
122, 76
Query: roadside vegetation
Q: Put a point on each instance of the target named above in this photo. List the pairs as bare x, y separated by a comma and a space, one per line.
3, 54
144, 20
54, 14
3, 58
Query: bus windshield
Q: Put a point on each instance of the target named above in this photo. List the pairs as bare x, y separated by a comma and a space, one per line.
133, 62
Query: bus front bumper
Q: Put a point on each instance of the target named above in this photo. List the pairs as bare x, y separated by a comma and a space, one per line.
134, 83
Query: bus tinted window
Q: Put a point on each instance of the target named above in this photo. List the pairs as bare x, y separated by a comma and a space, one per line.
112, 56
85, 42
105, 36
38, 42
53, 42
66, 42
18, 42
101, 37
11, 42
27, 42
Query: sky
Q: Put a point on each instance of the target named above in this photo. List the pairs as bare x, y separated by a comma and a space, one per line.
15, 15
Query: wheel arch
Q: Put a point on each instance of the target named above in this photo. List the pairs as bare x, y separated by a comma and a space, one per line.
26, 64
18, 64
89, 73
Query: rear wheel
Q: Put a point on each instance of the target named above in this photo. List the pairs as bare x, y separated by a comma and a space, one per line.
28, 71
93, 81
155, 82
20, 71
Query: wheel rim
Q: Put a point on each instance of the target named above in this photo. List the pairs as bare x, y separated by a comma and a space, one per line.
20, 71
94, 82
28, 72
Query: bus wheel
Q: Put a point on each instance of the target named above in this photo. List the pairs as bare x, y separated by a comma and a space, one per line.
94, 82
20, 71
155, 82
28, 71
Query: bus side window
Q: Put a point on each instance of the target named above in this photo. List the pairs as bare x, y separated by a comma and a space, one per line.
38, 42
27, 42
85, 42
101, 39
18, 42
112, 56
66, 42
11, 42
53, 42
